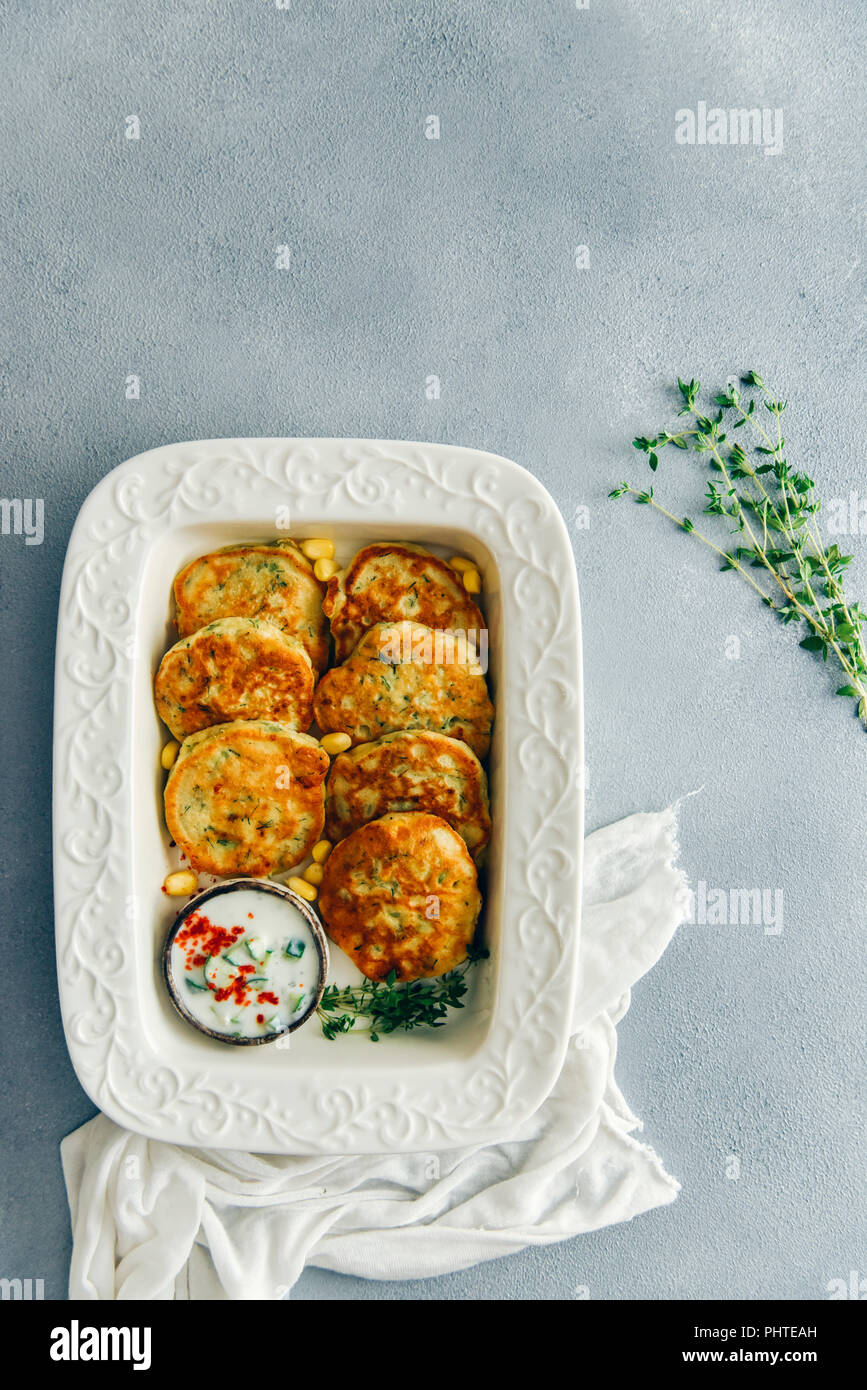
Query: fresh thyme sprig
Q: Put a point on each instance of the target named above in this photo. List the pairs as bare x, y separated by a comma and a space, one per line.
390, 1006
774, 508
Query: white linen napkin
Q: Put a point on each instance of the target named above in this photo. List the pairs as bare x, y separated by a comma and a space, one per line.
154, 1221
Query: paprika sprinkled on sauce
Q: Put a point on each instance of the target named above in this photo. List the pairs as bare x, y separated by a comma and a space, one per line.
245, 981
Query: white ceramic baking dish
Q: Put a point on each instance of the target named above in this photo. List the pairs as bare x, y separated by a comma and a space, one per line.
492, 1066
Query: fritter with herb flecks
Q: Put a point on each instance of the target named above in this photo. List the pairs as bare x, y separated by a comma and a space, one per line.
246, 798
409, 771
405, 676
391, 582
401, 894
271, 581
235, 668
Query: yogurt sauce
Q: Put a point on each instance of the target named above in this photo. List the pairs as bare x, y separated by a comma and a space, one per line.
245, 963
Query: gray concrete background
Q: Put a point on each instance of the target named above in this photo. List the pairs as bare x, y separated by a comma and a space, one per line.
304, 127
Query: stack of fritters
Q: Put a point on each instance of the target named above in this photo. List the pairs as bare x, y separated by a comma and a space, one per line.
246, 792
408, 802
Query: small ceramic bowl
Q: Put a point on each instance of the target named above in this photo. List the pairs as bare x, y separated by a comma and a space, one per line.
257, 885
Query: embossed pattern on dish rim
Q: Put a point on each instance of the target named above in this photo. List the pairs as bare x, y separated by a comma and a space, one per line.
381, 488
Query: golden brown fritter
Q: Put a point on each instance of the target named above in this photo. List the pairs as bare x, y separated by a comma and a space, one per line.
246, 798
272, 581
235, 668
401, 893
405, 676
410, 771
388, 582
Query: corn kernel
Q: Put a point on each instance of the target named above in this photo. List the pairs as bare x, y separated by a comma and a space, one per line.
472, 581
303, 889
169, 753
318, 549
313, 874
181, 883
460, 563
324, 568
335, 743
321, 851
